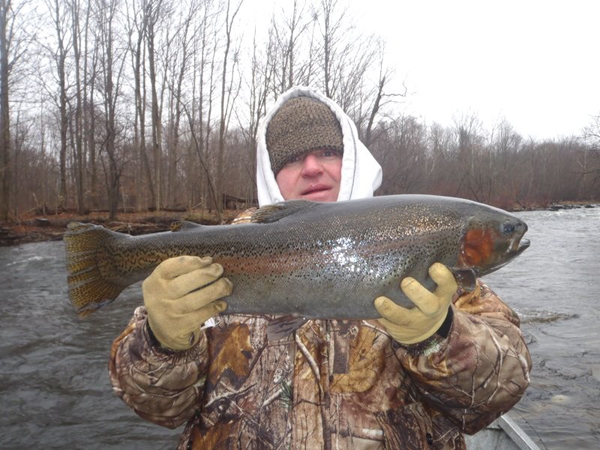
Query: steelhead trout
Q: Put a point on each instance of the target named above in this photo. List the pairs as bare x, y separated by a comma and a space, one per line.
307, 259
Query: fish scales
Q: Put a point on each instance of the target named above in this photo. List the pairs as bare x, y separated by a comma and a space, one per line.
312, 260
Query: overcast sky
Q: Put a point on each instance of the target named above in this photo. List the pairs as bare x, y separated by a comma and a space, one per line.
535, 63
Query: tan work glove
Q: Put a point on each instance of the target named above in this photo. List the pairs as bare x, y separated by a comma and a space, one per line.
180, 295
409, 326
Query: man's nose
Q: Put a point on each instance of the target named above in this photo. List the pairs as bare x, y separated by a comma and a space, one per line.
311, 166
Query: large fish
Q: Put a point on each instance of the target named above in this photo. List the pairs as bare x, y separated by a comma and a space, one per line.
307, 259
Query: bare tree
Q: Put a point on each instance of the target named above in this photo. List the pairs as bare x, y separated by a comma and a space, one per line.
89, 113
226, 96
469, 139
75, 6
111, 62
285, 46
262, 73
14, 43
179, 67
59, 55
589, 160
402, 150
153, 10
137, 23
6, 21
201, 118
380, 97
504, 145
330, 30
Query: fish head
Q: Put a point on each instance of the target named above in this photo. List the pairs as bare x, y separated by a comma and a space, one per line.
492, 240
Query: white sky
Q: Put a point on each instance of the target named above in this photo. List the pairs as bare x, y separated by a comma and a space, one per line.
535, 63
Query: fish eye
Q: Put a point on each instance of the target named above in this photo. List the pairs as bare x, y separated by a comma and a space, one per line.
508, 227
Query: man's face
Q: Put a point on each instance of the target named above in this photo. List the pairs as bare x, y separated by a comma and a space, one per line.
313, 176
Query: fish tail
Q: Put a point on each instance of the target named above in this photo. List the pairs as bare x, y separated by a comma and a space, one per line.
89, 289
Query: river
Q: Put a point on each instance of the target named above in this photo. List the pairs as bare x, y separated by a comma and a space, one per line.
55, 392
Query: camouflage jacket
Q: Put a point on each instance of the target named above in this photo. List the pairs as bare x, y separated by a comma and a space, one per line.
330, 384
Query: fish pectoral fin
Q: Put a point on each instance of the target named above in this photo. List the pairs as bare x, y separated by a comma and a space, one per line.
184, 225
278, 211
283, 326
465, 278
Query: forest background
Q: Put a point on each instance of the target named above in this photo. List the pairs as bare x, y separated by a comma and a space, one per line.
150, 105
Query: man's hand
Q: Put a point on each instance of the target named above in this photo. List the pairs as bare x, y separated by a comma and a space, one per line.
180, 295
409, 326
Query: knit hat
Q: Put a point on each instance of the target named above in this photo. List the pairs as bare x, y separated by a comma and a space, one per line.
301, 125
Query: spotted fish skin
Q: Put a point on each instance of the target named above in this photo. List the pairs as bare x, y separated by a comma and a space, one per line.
307, 259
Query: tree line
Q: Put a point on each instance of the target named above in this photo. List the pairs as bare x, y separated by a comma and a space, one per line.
141, 105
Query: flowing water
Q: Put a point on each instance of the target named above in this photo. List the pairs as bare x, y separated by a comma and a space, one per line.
55, 392
554, 288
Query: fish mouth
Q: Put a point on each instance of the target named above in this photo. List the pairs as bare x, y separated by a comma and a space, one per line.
518, 245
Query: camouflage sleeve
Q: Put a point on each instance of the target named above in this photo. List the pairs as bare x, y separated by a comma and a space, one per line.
480, 370
160, 385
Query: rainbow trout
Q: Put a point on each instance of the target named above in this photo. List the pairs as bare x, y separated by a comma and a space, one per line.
307, 259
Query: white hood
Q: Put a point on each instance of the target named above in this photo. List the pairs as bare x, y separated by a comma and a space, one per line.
361, 173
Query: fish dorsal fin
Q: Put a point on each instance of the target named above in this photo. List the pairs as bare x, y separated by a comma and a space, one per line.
278, 211
184, 225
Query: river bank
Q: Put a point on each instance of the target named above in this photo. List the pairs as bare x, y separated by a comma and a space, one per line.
51, 227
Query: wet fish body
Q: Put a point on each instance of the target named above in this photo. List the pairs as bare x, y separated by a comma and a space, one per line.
311, 260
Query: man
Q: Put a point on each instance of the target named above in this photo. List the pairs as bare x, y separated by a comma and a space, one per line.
414, 379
